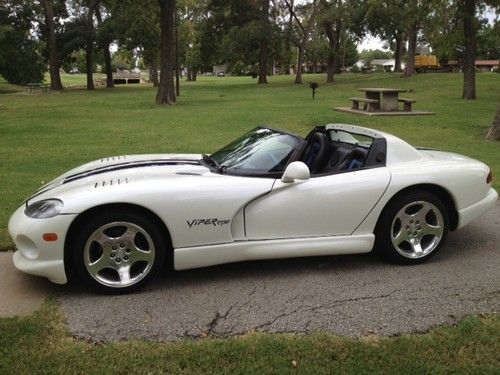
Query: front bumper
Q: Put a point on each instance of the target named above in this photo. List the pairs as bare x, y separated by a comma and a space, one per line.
468, 214
34, 255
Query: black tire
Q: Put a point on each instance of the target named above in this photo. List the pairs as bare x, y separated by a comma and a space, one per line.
387, 229
149, 233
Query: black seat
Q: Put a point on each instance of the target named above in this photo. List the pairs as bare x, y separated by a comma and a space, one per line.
354, 160
317, 152
339, 156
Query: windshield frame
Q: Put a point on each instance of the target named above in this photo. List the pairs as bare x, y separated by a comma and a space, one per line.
301, 143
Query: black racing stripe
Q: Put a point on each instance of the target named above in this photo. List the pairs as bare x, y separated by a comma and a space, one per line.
113, 169
138, 162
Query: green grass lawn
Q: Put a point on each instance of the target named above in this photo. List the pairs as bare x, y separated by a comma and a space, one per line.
41, 344
42, 136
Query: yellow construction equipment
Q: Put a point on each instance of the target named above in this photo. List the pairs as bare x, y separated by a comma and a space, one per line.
424, 63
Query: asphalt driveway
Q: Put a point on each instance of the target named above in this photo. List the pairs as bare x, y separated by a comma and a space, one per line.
348, 295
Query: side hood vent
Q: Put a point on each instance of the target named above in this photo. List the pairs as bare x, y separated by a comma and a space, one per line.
113, 158
111, 182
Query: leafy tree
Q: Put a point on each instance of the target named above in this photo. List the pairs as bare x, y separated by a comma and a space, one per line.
488, 42
340, 19
371, 54
240, 33
441, 29
50, 26
137, 26
385, 18
104, 37
123, 59
413, 16
20, 60
305, 17
191, 15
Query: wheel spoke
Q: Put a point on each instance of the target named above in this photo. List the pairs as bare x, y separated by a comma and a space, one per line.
417, 248
424, 211
129, 234
138, 255
404, 217
402, 236
433, 230
101, 238
100, 264
124, 274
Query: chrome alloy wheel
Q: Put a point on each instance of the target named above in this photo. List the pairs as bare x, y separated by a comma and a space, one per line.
417, 229
119, 254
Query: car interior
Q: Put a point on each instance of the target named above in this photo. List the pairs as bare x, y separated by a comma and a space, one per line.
333, 152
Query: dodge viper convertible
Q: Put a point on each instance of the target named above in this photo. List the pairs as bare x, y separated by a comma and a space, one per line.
115, 222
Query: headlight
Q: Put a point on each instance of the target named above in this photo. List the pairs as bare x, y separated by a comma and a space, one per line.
44, 209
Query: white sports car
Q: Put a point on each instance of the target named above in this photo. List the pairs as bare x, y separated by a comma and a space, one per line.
114, 222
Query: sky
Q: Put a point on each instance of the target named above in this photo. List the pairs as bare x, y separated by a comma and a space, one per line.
371, 42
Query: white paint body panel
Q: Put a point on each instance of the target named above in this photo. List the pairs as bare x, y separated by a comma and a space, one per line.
195, 257
322, 206
325, 215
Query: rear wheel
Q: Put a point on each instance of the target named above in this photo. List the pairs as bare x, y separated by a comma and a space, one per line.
412, 228
118, 252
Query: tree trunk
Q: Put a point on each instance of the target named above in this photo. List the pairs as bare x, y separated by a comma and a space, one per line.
89, 59
107, 55
300, 62
263, 62
177, 68
330, 67
494, 132
263, 45
288, 40
109, 68
303, 44
55, 77
153, 73
89, 63
412, 47
469, 13
338, 30
166, 89
397, 53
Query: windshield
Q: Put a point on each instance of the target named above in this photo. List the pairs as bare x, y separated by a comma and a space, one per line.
258, 151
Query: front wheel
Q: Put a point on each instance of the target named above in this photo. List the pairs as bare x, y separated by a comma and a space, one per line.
118, 252
412, 228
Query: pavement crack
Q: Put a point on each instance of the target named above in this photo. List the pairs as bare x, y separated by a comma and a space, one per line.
212, 325
271, 322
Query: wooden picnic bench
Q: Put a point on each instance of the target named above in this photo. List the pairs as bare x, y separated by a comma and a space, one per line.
370, 104
33, 88
407, 103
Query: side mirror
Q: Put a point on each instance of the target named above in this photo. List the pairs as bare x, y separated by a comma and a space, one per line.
296, 171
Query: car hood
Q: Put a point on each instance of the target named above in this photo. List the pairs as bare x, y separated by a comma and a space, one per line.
121, 170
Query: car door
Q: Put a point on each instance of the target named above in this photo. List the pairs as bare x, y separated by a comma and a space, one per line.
327, 205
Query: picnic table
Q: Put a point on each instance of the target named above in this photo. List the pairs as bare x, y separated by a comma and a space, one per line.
32, 88
382, 102
387, 98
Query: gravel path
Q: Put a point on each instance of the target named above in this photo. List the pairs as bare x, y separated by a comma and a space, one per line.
347, 295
